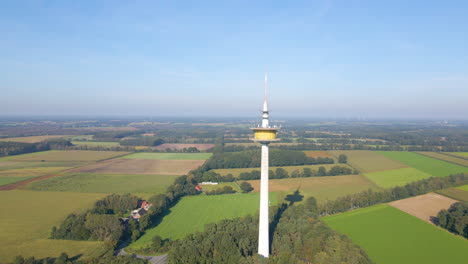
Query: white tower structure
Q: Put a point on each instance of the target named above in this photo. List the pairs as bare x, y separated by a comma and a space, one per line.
264, 135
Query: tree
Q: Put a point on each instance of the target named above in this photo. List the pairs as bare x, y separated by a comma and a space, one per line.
307, 172
104, 227
342, 158
322, 171
246, 187
156, 243
62, 259
296, 174
281, 173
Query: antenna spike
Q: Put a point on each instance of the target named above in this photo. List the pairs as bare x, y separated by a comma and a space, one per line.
265, 100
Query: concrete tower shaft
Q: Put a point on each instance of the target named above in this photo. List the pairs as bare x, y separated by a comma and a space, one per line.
264, 134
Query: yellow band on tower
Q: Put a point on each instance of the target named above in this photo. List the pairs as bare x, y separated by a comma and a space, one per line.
265, 134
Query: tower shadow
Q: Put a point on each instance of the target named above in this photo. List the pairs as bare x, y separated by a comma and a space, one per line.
291, 198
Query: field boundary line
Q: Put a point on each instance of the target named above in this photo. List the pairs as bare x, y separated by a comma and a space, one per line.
453, 155
422, 154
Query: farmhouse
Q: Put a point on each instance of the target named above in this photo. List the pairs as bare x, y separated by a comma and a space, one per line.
143, 208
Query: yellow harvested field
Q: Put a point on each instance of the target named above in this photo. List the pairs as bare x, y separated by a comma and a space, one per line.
322, 188
142, 166
425, 206
33, 139
27, 219
318, 154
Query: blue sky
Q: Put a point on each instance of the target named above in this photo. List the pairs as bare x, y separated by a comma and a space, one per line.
207, 58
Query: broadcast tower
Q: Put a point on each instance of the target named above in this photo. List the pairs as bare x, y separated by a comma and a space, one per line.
264, 134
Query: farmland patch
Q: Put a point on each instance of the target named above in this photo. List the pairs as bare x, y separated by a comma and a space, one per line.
445, 157
322, 188
105, 183
398, 177
141, 166
462, 154
96, 143
201, 147
318, 154
369, 161
169, 156
455, 193
391, 236
192, 213
426, 164
424, 207
31, 215
67, 155
33, 139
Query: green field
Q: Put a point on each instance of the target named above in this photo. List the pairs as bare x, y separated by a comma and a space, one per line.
190, 156
96, 143
456, 193
65, 156
192, 213
322, 188
105, 183
367, 161
398, 177
289, 169
426, 164
391, 236
28, 216
31, 172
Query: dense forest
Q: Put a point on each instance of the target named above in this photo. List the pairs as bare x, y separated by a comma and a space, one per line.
299, 237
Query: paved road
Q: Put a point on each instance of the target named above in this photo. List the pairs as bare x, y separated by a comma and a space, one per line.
152, 259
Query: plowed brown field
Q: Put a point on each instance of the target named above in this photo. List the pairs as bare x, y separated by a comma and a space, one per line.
424, 206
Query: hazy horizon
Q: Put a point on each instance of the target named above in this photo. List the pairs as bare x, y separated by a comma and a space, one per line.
326, 59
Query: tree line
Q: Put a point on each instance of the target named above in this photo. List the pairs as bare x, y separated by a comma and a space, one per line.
337, 146
250, 159
278, 173
104, 222
370, 197
16, 148
455, 219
